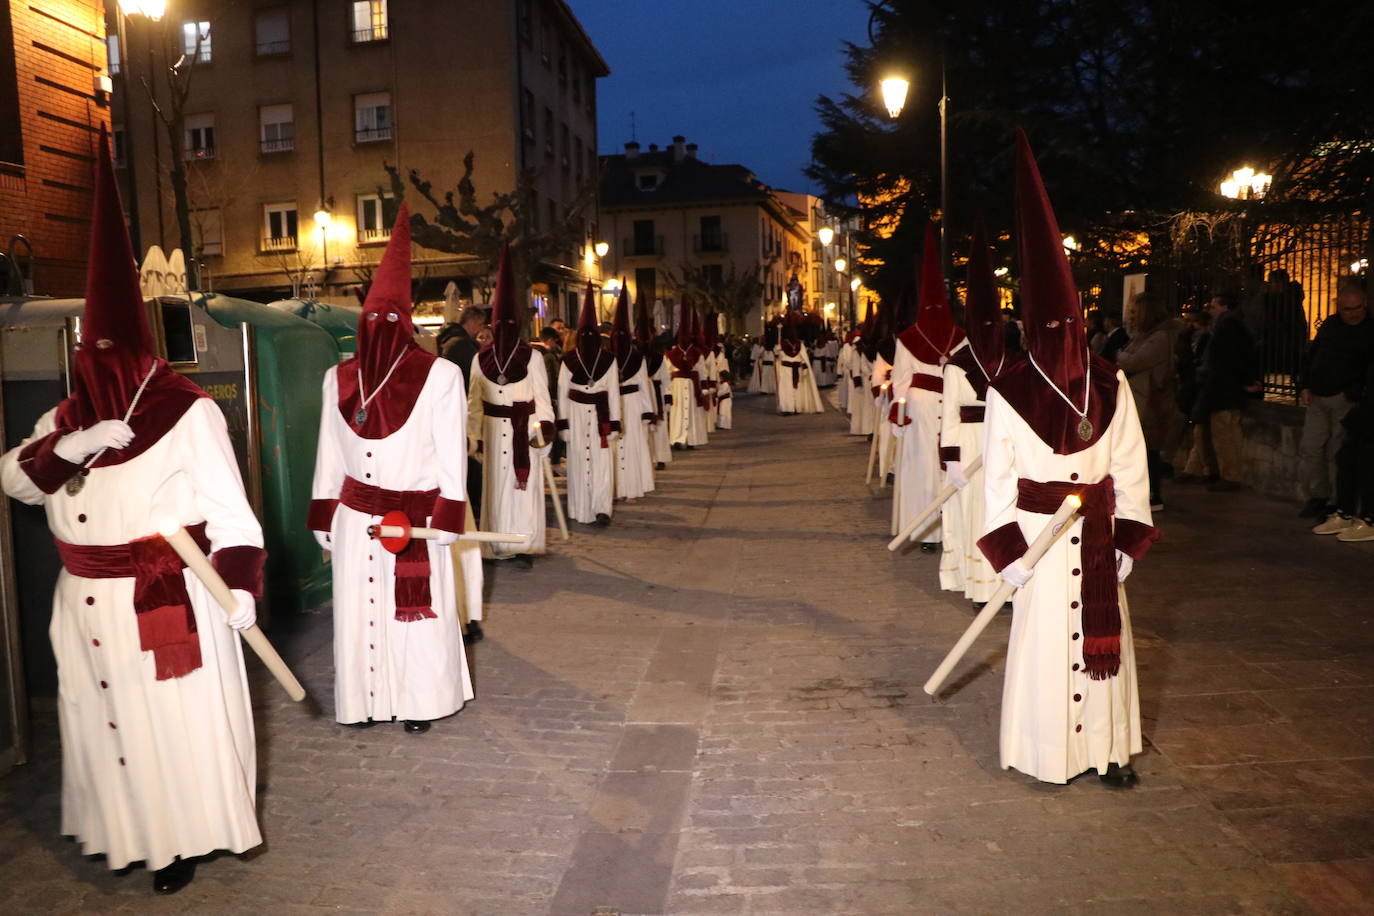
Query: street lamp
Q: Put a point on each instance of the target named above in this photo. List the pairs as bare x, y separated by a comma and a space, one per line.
153, 9
1071, 244
322, 218
894, 90
854, 284
840, 265
826, 235
601, 249
1246, 184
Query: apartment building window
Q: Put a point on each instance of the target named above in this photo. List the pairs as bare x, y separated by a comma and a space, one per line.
524, 21
120, 138
591, 94
577, 158
372, 117
112, 54
644, 241
372, 225
567, 147
647, 181
279, 227
195, 40
277, 128
711, 238
272, 31
562, 64
200, 136
528, 114
548, 132
369, 21
208, 228
577, 83
646, 285
546, 41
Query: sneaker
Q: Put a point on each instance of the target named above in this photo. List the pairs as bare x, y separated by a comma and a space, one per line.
1335, 524
1362, 530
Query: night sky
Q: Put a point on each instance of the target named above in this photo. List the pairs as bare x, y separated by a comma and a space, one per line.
738, 77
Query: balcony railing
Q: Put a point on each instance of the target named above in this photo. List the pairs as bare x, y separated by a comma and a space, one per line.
372, 134
199, 152
269, 48
375, 33
373, 236
711, 242
642, 248
280, 145
279, 243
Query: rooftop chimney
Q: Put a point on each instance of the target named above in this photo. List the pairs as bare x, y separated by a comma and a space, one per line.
632, 150
691, 150
653, 147
679, 148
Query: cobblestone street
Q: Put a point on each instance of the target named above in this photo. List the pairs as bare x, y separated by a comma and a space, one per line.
714, 706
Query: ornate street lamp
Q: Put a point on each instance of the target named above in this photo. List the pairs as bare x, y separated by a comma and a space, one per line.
826, 235
894, 90
601, 249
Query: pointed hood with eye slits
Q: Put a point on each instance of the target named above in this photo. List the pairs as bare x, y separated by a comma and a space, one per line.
985, 355
588, 360
508, 355
627, 355
1059, 370
389, 369
934, 336
117, 351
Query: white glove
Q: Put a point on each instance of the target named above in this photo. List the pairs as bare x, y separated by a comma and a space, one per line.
78, 446
1124, 565
247, 613
323, 539
1016, 573
445, 538
955, 472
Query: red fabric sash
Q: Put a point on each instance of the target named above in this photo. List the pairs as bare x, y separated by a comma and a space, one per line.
602, 402
928, 382
1100, 608
629, 389
519, 414
413, 599
166, 623
972, 414
796, 366
658, 401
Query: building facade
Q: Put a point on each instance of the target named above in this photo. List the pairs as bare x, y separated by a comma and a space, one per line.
665, 211
295, 106
54, 99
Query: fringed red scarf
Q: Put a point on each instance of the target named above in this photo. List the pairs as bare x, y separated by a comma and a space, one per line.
413, 599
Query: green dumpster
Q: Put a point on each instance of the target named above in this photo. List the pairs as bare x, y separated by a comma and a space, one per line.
341, 321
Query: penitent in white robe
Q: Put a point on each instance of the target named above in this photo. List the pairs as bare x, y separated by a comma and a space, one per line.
919, 464
590, 468
386, 668
686, 420
862, 411
1056, 721
888, 441
802, 397
505, 507
724, 392
768, 375
964, 567
756, 352
151, 769
661, 386
634, 461
842, 375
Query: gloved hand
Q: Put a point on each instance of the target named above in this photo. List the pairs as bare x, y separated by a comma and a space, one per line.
78, 446
1124, 565
323, 539
446, 538
247, 613
955, 473
1016, 573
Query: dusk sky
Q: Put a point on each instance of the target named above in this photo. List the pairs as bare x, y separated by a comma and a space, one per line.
738, 77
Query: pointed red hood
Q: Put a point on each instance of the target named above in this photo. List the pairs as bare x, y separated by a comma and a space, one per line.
622, 338
644, 326
934, 335
505, 315
711, 330
588, 329
982, 305
385, 330
684, 325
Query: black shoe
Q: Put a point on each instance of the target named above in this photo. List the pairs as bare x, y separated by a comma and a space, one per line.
416, 726
602, 520
930, 547
1119, 777
979, 605
1313, 508
475, 633
174, 877
660, 466
678, 446
366, 723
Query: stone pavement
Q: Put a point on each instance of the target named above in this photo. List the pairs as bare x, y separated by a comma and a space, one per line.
714, 706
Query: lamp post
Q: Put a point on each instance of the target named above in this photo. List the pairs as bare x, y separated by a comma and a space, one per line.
152, 10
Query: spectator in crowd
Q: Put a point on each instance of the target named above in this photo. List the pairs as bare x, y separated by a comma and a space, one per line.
1285, 324
460, 344
1097, 330
1117, 335
1148, 361
1227, 378
1331, 382
551, 349
1192, 343
1011, 329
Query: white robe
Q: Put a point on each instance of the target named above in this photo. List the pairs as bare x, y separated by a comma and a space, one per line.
504, 506
686, 420
151, 769
591, 467
725, 399
634, 461
385, 668
965, 568
756, 362
863, 414
889, 444
803, 397
842, 375
661, 383
1041, 719
768, 374
919, 464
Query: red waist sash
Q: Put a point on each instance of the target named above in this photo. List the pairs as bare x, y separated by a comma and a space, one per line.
519, 414
602, 402
658, 400
166, 623
972, 414
796, 366
1101, 611
928, 382
413, 598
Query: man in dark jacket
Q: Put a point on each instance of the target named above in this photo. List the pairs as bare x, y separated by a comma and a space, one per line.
459, 342
1227, 379
1330, 384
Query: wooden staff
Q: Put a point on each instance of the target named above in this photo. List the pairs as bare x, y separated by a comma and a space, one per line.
553, 487
1048, 535
873, 443
919, 523
198, 563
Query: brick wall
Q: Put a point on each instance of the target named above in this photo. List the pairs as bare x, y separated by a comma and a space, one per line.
59, 51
